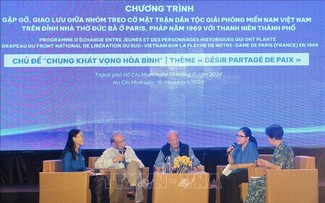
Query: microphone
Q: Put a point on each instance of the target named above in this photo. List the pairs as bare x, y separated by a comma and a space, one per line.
167, 157
232, 148
122, 151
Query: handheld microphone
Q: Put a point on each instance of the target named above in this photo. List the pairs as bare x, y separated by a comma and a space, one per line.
122, 151
232, 148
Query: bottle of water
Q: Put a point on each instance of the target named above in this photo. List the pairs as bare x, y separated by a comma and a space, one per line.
169, 165
192, 160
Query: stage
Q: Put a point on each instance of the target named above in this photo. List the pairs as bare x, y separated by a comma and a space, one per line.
20, 169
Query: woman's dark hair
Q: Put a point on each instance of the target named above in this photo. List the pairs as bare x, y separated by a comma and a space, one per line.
274, 131
248, 133
70, 146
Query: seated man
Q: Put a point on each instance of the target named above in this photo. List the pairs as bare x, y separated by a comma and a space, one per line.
123, 157
175, 148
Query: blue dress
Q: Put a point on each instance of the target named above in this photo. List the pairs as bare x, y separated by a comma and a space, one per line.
97, 184
282, 156
70, 165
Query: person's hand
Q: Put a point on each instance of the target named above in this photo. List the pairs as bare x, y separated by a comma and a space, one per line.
90, 172
230, 150
234, 166
261, 162
118, 158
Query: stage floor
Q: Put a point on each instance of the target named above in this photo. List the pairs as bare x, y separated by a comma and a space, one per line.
29, 193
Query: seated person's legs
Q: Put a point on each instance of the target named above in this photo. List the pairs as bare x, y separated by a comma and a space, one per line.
99, 189
230, 192
225, 194
134, 177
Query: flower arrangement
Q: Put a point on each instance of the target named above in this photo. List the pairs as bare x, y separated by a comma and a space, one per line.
182, 164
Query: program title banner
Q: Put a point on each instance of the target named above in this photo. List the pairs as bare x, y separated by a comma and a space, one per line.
145, 67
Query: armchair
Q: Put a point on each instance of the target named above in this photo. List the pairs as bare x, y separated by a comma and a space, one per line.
57, 186
118, 190
297, 185
243, 187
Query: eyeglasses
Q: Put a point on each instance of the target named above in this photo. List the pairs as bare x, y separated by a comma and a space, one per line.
240, 136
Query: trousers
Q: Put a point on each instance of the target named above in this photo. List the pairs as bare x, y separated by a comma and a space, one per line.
230, 192
99, 188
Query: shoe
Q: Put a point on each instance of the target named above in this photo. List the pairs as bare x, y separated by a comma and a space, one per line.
131, 193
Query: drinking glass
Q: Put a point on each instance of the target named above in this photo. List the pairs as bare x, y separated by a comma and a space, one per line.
164, 168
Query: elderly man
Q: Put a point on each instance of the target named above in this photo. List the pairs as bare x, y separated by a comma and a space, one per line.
175, 148
122, 157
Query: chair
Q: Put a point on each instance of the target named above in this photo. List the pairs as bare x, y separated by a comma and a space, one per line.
243, 187
297, 185
64, 187
117, 190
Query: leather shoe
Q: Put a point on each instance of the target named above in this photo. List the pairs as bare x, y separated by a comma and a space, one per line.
131, 194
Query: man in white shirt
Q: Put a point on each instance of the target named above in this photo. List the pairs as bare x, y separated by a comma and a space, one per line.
122, 157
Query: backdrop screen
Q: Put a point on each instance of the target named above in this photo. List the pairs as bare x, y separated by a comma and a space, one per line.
204, 69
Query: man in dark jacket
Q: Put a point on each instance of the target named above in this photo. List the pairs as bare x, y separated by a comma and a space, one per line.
175, 148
